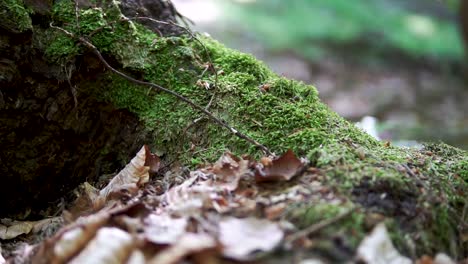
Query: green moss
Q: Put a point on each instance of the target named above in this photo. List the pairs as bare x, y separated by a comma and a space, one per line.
279, 113
14, 16
351, 228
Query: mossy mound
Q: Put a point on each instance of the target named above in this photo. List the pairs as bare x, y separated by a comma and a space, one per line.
421, 191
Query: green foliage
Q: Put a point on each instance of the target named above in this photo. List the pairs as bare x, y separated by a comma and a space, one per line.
14, 16
381, 24
351, 228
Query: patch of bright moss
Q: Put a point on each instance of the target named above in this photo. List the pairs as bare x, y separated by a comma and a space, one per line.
351, 228
14, 16
279, 113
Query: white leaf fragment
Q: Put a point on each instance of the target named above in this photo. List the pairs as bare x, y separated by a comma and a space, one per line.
189, 243
111, 245
73, 240
15, 229
2, 259
377, 248
241, 237
163, 229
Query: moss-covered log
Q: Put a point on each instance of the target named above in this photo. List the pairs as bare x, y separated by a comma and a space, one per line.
88, 119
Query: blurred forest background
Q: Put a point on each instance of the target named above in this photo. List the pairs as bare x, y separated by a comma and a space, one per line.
400, 61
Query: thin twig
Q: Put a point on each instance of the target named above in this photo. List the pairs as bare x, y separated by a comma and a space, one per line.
319, 226
188, 31
192, 35
218, 121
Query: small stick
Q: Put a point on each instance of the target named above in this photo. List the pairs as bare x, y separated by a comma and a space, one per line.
218, 121
188, 31
318, 226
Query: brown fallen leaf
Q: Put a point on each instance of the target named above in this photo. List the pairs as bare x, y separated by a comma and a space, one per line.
228, 170
70, 240
164, 229
2, 259
111, 245
242, 237
134, 175
266, 161
188, 198
84, 202
136, 257
152, 160
425, 259
12, 229
280, 169
188, 244
15, 229
275, 211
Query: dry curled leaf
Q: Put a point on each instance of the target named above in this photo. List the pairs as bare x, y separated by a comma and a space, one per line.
241, 237
12, 229
228, 170
188, 198
275, 211
152, 160
15, 229
280, 169
70, 240
110, 245
135, 174
136, 257
2, 259
164, 229
188, 244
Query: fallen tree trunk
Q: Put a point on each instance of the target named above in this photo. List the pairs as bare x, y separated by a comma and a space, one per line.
84, 85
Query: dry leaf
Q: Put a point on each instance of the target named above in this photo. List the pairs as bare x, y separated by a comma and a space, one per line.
70, 240
442, 258
15, 229
164, 229
137, 257
2, 259
135, 174
311, 261
228, 170
280, 169
425, 259
84, 203
189, 197
152, 160
188, 244
377, 248
275, 211
241, 237
12, 229
266, 161
111, 245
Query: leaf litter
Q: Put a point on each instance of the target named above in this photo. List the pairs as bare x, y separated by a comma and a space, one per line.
233, 210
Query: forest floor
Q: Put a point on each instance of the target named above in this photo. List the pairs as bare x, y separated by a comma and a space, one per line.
353, 199
237, 210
